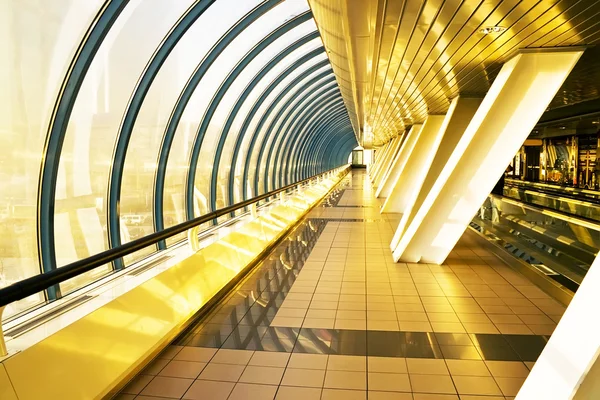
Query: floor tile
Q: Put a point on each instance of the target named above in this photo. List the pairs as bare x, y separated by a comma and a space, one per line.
170, 352
262, 375
475, 327
453, 339
245, 391
387, 364
323, 323
474, 318
375, 395
156, 366
382, 325
347, 363
298, 393
381, 316
292, 312
389, 382
443, 317
407, 307
352, 306
349, 314
222, 372
510, 386
308, 361
426, 366
213, 390
460, 352
410, 326
137, 384
345, 380
467, 367
512, 329
343, 394
542, 329
287, 321
237, 357
198, 354
476, 385
162, 386
350, 324
434, 396
528, 347
324, 305
410, 316
303, 377
447, 327
182, 369
507, 369
328, 314
269, 359
441, 384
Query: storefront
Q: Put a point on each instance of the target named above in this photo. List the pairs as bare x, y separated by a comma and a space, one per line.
564, 161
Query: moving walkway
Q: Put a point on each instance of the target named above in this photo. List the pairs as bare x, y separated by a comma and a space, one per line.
574, 201
560, 245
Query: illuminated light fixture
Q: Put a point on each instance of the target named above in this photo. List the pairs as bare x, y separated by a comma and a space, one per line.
492, 29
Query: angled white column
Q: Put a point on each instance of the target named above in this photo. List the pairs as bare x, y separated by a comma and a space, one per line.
407, 184
378, 159
399, 161
568, 367
516, 100
388, 160
384, 159
459, 115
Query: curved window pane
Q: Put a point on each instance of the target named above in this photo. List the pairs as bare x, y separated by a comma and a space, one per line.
295, 95
269, 54
39, 40
80, 215
284, 128
296, 128
256, 32
177, 166
141, 162
244, 148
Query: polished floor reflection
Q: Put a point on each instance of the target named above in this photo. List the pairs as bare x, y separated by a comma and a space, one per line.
328, 315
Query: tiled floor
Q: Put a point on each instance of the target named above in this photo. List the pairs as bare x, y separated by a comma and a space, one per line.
329, 316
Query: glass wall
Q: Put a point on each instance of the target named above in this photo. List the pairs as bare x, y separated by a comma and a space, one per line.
172, 110
39, 40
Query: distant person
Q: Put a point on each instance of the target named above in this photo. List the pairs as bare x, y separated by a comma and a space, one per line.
499, 188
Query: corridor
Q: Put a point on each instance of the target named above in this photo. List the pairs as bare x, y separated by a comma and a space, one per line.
329, 315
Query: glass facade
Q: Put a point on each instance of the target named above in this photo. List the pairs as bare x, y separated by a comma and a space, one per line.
120, 119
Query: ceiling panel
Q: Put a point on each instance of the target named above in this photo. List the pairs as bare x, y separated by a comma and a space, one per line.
420, 54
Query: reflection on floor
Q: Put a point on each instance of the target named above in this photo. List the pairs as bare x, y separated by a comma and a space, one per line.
329, 316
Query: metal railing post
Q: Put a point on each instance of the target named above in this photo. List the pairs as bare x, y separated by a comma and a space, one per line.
192, 235
3, 348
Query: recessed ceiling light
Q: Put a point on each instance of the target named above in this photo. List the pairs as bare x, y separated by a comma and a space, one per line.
492, 29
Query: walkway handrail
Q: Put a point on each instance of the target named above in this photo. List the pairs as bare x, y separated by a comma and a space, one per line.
578, 220
30, 286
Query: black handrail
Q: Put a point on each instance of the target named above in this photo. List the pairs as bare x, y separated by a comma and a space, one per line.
30, 286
